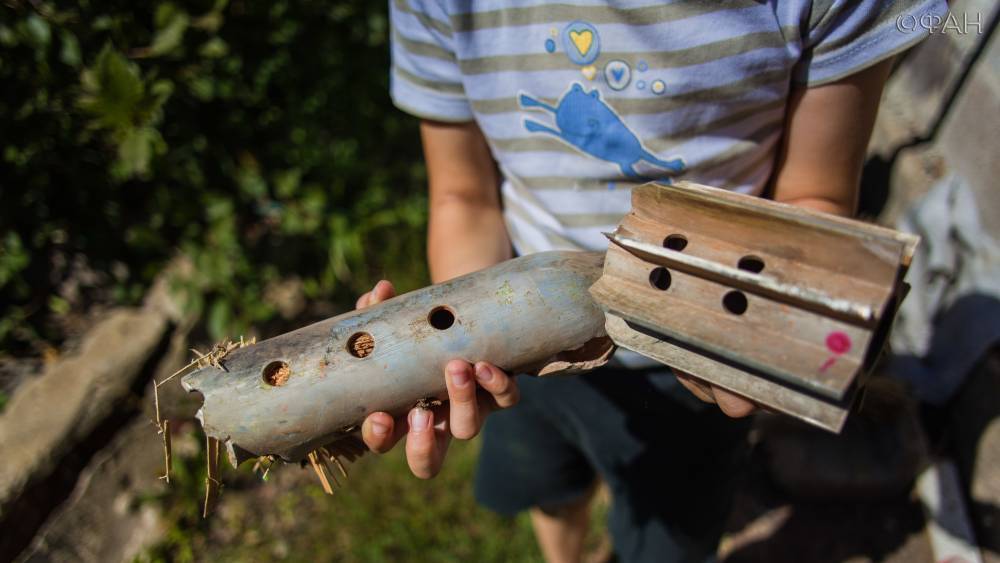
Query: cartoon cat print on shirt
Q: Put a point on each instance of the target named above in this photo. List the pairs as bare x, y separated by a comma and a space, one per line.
587, 123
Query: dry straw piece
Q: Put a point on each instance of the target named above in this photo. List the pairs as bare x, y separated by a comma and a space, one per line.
211, 358
350, 447
321, 458
212, 482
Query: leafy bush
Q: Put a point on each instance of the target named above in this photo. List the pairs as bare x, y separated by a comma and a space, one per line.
256, 137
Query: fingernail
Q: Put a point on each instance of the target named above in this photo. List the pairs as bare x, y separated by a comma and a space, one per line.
459, 376
419, 419
379, 429
484, 373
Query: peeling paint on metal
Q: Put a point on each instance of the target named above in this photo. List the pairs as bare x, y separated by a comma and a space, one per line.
506, 294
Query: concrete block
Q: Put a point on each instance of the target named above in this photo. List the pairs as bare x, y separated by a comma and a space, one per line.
968, 136
916, 93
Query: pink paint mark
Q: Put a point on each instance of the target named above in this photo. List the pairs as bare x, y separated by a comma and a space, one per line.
839, 344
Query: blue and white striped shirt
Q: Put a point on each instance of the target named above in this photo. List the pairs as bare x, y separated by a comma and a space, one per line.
580, 101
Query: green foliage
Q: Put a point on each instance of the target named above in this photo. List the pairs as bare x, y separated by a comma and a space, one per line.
118, 100
258, 138
383, 513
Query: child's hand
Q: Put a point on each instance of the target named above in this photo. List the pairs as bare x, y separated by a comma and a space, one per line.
428, 431
730, 403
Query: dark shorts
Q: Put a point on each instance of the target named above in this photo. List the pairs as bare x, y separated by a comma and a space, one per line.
670, 465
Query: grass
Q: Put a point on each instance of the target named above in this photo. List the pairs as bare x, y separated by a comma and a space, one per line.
382, 514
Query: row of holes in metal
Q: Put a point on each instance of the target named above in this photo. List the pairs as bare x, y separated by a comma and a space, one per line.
441, 318
734, 301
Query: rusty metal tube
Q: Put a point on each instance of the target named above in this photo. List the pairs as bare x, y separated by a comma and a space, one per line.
295, 392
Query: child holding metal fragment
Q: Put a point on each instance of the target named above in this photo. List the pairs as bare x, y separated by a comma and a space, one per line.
536, 122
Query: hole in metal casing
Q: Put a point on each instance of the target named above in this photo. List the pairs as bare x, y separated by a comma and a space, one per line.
735, 302
276, 373
751, 263
441, 317
660, 278
361, 345
675, 242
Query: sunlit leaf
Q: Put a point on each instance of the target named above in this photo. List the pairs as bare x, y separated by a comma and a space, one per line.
38, 30
112, 89
214, 48
7, 36
135, 151
58, 305
170, 34
13, 257
69, 53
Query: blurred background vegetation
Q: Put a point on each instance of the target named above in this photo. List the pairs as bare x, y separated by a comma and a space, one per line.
257, 138
382, 513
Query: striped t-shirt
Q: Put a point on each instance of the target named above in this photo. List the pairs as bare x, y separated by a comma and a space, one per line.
580, 101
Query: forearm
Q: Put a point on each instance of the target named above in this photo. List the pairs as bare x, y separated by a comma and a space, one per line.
464, 235
826, 205
826, 133
466, 230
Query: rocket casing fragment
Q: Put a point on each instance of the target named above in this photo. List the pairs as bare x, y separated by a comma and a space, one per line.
292, 393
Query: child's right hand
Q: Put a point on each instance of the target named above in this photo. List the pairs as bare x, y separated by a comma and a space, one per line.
429, 431
730, 403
